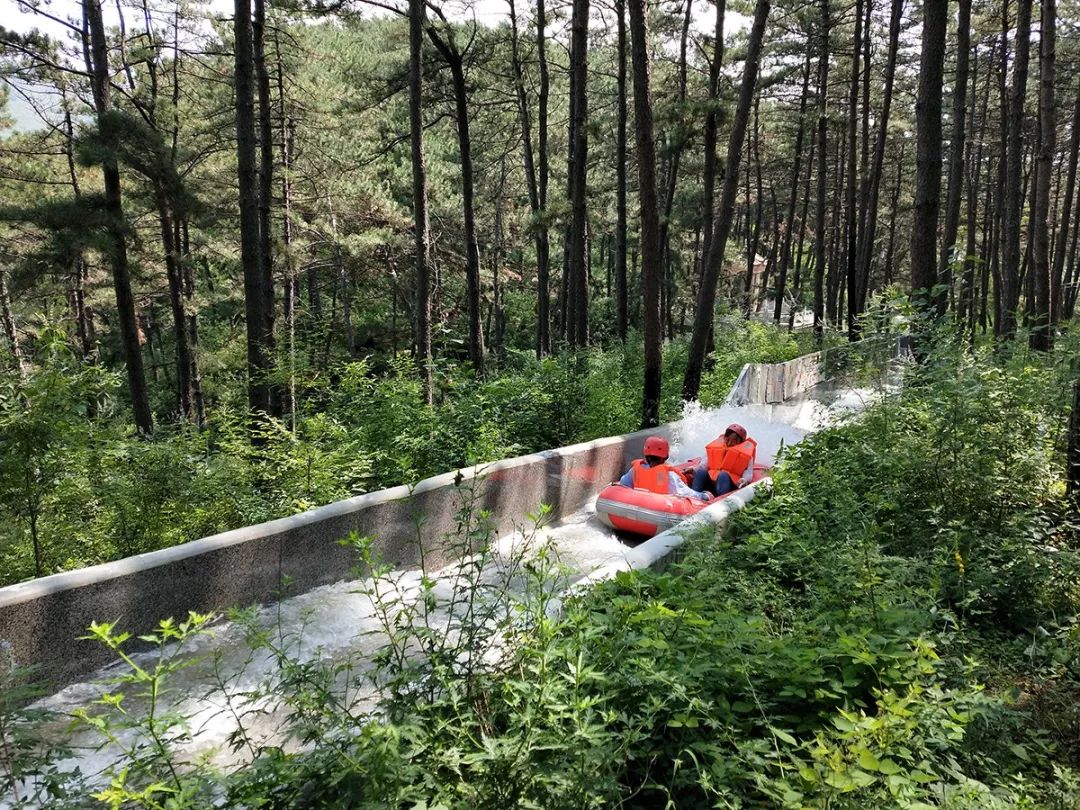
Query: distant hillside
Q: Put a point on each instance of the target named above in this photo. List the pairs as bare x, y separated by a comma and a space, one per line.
21, 114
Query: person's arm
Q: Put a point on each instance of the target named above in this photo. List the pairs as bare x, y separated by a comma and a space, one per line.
748, 474
628, 479
677, 486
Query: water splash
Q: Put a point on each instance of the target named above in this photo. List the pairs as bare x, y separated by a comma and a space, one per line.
771, 426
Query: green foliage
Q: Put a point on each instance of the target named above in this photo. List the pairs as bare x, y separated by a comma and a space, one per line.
975, 492
82, 488
42, 416
842, 644
892, 624
32, 773
149, 775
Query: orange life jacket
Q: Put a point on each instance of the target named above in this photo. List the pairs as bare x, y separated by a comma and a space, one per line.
653, 479
732, 460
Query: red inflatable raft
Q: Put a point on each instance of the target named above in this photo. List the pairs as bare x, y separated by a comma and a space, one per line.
639, 511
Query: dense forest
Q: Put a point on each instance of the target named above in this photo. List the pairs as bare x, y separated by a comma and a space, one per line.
261, 257
249, 223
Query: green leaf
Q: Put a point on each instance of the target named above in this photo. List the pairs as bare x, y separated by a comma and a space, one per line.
1020, 752
861, 778
888, 767
868, 761
921, 776
783, 735
843, 724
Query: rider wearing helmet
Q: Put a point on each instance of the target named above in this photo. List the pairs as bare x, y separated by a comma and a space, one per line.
729, 462
653, 474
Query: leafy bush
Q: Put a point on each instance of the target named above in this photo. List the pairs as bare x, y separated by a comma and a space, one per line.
99, 492
857, 638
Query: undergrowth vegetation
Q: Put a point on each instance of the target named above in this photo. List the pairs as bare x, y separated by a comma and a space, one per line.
77, 487
893, 624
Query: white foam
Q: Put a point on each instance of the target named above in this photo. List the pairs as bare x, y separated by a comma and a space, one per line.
771, 426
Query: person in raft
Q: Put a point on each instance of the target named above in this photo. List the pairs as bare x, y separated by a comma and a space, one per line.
653, 474
729, 462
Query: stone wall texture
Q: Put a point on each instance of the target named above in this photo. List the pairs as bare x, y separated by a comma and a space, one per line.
770, 383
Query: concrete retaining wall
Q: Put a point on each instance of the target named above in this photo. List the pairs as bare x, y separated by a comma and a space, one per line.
43, 619
769, 383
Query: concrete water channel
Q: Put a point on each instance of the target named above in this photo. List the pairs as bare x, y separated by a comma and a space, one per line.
342, 622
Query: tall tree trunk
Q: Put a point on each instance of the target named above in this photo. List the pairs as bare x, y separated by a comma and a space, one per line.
1027, 273
343, 283
649, 211
1059, 289
577, 291
1070, 285
800, 256
967, 302
789, 221
266, 189
1042, 337
703, 315
125, 300
774, 244
928, 152
1014, 170
753, 159
989, 241
421, 230
162, 178
184, 364
998, 226
182, 240
455, 61
84, 326
957, 141
974, 160
852, 214
259, 356
864, 148
820, 246
1072, 452
498, 328
7, 319
709, 173
621, 300
681, 137
543, 270
539, 228
866, 247
894, 208
837, 245
290, 287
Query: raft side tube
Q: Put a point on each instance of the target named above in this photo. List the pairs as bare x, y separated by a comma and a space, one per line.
645, 513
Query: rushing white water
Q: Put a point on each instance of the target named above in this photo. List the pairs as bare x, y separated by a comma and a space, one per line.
342, 621
333, 623
771, 430
773, 427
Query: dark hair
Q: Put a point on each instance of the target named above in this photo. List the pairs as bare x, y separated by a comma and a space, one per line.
654, 460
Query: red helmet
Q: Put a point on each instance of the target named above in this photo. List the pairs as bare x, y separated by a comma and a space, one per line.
738, 430
657, 446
